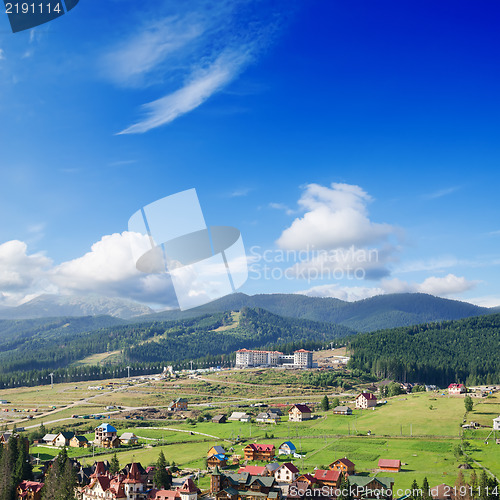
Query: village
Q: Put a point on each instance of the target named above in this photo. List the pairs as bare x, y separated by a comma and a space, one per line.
241, 467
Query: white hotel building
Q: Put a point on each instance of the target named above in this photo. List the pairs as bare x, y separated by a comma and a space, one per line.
246, 358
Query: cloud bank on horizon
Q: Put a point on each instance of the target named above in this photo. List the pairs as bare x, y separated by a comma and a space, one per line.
334, 218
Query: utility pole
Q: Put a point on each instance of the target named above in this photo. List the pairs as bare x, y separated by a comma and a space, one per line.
191, 365
51, 375
128, 371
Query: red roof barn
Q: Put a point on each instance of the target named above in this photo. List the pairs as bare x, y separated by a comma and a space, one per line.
387, 465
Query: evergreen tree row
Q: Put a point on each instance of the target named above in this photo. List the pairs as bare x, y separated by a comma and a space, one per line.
463, 351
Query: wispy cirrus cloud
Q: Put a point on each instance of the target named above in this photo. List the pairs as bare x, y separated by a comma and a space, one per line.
203, 84
282, 206
238, 193
193, 54
129, 62
441, 192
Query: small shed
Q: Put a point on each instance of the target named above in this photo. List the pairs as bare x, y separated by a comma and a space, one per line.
342, 410
219, 419
388, 465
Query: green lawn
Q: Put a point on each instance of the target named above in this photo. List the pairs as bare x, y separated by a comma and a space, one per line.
421, 430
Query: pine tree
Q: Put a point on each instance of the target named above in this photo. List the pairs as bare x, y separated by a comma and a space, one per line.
473, 484
426, 494
114, 466
23, 468
60, 481
415, 492
483, 485
162, 478
7, 486
325, 404
69, 482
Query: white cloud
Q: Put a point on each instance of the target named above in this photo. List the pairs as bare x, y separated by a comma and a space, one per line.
340, 263
201, 47
447, 285
2, 55
433, 264
336, 217
441, 192
486, 301
141, 54
237, 193
438, 286
20, 273
107, 269
433, 285
203, 84
347, 293
282, 206
338, 234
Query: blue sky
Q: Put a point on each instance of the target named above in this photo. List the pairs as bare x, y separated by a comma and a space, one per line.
366, 125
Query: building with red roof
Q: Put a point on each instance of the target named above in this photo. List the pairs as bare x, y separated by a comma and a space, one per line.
299, 413
327, 477
457, 389
387, 465
132, 486
366, 400
29, 490
254, 470
188, 491
286, 473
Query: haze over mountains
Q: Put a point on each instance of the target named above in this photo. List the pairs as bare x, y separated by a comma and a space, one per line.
51, 306
383, 311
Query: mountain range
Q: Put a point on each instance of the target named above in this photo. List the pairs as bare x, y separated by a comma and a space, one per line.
375, 313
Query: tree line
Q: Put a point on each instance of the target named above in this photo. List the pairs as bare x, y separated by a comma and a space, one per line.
437, 353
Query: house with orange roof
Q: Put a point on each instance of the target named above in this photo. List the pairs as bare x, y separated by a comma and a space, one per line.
343, 465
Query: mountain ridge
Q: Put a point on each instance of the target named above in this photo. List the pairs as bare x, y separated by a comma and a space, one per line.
374, 313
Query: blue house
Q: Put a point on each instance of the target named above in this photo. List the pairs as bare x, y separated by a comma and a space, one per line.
287, 448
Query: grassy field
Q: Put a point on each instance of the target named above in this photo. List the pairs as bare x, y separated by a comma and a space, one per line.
101, 358
421, 429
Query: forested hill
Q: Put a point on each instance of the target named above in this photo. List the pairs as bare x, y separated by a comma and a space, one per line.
253, 328
375, 313
14, 333
163, 342
464, 351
